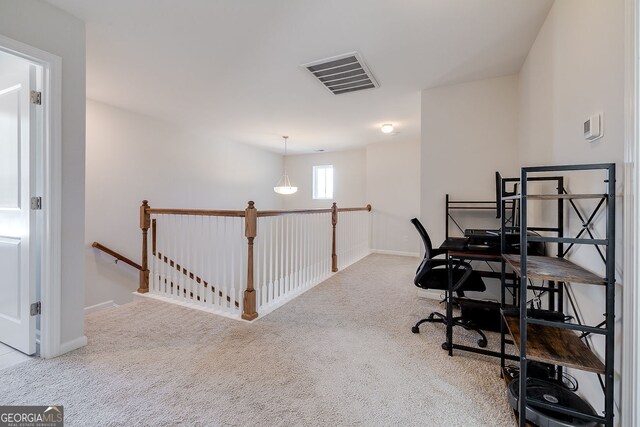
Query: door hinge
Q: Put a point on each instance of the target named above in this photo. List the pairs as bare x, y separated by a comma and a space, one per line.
36, 203
36, 308
36, 97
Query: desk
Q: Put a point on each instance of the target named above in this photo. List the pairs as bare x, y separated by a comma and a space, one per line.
489, 255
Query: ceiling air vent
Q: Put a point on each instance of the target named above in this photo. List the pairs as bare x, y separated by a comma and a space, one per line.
343, 73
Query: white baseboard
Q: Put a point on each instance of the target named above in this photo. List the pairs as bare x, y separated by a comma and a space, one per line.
399, 253
74, 344
431, 294
101, 306
138, 297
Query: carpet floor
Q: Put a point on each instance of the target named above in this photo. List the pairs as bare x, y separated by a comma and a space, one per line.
340, 354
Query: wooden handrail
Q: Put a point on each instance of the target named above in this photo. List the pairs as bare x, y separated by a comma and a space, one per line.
116, 255
200, 212
294, 211
311, 211
230, 213
366, 208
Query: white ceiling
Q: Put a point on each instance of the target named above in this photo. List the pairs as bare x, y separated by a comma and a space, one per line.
231, 67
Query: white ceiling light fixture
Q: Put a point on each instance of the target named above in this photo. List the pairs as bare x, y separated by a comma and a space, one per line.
386, 128
284, 185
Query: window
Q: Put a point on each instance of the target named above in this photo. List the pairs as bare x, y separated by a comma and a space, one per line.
323, 182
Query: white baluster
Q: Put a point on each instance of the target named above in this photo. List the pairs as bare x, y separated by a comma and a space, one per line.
288, 255
197, 260
281, 240
159, 235
231, 242
225, 263
216, 259
314, 248
208, 261
310, 249
174, 257
189, 265
173, 244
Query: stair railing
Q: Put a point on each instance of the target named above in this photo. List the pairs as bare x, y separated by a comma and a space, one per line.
197, 256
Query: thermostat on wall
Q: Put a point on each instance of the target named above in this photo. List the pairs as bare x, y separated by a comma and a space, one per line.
593, 128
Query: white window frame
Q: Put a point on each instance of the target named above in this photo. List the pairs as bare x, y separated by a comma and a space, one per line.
315, 183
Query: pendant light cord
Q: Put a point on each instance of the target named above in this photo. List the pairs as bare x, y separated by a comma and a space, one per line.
284, 160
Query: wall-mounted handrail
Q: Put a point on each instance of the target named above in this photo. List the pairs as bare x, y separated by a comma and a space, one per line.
190, 275
116, 255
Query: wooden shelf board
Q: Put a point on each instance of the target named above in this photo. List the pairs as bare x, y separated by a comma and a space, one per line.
507, 379
553, 268
556, 196
556, 346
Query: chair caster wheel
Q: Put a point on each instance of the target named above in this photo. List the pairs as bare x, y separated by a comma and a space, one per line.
482, 343
445, 346
415, 330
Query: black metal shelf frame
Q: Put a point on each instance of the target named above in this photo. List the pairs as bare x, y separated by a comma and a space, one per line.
606, 250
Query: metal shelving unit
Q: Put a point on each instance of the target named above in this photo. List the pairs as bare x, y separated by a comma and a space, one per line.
559, 343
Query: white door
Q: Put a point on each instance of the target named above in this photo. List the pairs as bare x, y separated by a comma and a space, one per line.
17, 220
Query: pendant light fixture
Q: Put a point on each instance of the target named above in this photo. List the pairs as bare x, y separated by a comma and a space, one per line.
284, 185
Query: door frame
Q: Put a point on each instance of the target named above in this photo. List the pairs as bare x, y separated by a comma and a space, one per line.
631, 223
50, 286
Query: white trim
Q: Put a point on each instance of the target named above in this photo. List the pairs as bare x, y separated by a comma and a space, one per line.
212, 310
99, 307
630, 295
50, 291
399, 253
74, 344
431, 294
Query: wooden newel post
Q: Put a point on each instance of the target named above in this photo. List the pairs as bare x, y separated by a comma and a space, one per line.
250, 231
334, 221
145, 223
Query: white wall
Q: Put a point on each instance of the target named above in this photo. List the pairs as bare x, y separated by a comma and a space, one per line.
386, 175
349, 179
131, 157
574, 69
47, 28
469, 131
393, 189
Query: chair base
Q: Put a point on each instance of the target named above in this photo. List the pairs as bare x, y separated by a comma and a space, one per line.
436, 317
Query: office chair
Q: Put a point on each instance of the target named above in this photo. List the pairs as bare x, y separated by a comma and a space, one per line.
433, 274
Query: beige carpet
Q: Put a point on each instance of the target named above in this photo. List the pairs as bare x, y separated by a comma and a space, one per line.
340, 354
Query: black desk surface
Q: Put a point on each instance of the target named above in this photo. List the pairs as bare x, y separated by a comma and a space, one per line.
484, 255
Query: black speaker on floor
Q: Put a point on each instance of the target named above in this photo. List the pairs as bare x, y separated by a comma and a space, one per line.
550, 393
